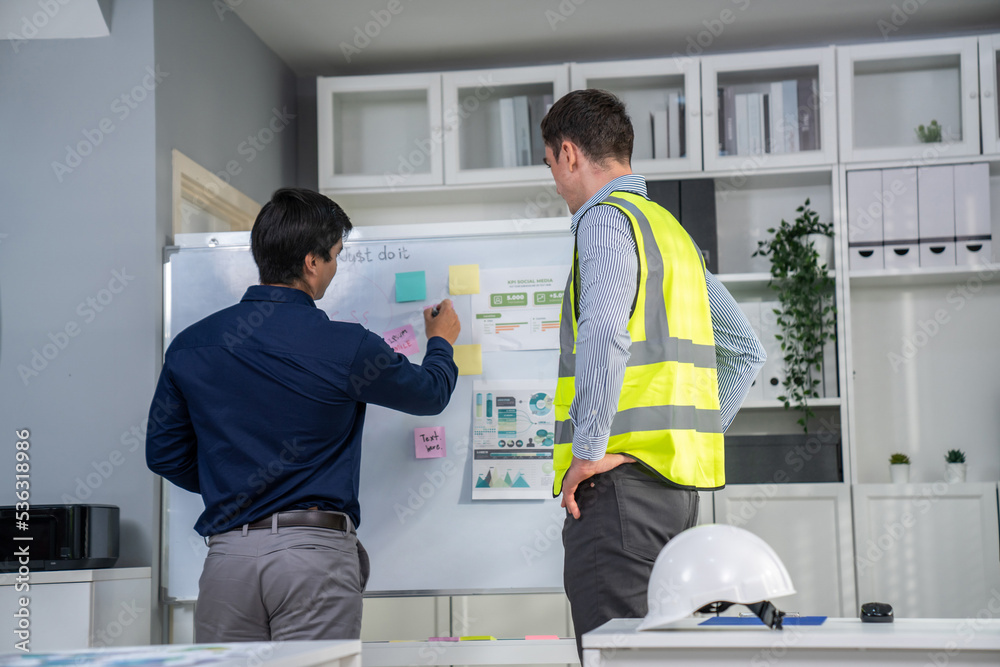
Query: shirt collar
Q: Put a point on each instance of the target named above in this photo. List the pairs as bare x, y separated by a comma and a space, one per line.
278, 294
629, 183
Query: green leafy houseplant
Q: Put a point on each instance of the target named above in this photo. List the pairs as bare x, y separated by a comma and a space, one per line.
929, 134
897, 459
807, 316
955, 456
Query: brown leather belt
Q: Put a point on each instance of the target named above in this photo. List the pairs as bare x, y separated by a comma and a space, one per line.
311, 518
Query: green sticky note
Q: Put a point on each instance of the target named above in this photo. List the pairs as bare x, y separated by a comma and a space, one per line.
411, 286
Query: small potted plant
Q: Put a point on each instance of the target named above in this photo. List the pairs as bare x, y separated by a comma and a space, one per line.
929, 134
954, 470
899, 468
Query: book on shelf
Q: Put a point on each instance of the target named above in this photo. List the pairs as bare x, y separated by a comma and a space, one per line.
658, 119
508, 133
522, 130
682, 125
742, 124
673, 125
790, 119
538, 106
807, 114
755, 123
775, 118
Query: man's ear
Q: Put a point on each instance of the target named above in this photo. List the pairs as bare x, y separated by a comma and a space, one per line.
309, 264
572, 152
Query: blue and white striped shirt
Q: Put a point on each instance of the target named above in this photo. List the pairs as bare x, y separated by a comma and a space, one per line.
609, 265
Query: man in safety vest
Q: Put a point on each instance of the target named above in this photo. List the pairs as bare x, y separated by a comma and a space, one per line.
655, 360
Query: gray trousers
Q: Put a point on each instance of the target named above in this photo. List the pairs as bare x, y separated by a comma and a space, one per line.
296, 583
626, 517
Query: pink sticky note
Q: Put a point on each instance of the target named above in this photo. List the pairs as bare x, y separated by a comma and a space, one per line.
429, 442
401, 339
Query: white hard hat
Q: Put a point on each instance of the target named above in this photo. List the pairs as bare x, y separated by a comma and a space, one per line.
715, 563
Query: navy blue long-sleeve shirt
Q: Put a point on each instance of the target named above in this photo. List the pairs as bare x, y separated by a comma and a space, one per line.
260, 407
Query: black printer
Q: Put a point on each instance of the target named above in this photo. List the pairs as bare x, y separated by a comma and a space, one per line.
63, 537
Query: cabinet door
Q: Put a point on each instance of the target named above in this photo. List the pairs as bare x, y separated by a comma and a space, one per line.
769, 109
887, 91
379, 132
663, 98
492, 123
809, 527
929, 550
989, 57
61, 615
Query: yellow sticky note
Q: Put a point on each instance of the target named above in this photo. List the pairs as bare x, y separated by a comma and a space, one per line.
478, 638
463, 279
469, 359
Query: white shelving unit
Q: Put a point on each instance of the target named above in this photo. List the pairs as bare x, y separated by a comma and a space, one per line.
479, 128
887, 90
804, 81
872, 97
379, 132
989, 89
653, 92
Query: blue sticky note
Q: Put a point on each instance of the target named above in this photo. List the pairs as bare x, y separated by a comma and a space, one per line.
411, 286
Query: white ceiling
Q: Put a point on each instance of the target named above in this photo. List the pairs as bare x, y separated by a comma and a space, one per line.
310, 35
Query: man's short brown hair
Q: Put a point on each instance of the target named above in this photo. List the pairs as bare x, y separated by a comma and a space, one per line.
595, 120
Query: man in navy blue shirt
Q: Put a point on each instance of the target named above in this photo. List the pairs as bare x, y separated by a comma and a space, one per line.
260, 409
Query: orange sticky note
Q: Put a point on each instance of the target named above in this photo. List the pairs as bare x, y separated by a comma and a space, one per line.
469, 359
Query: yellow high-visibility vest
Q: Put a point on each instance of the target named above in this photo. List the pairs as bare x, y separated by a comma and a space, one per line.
668, 412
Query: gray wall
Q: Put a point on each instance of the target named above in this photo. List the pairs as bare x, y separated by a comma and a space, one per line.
67, 234
225, 87
64, 235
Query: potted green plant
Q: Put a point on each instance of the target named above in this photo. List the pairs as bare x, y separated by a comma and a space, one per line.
954, 470
807, 318
930, 133
899, 468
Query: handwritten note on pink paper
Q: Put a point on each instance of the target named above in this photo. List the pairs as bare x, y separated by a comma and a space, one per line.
429, 441
402, 340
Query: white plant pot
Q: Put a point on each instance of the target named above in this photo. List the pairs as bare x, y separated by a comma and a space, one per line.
824, 247
954, 472
900, 473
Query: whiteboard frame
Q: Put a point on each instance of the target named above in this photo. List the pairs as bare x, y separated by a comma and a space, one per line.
423, 231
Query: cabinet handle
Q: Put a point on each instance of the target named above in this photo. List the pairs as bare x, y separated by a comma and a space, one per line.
708, 113
901, 251
866, 253
975, 247
973, 94
987, 94
937, 249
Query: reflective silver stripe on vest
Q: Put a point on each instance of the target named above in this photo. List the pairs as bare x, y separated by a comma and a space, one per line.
567, 358
656, 304
641, 353
657, 418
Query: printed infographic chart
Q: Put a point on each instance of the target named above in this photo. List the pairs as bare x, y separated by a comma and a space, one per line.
518, 308
513, 433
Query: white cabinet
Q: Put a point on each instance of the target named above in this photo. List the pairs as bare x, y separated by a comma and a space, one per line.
887, 91
663, 99
492, 122
989, 86
769, 109
379, 132
929, 550
809, 526
74, 609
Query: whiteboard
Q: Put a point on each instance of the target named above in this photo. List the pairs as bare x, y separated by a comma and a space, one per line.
423, 531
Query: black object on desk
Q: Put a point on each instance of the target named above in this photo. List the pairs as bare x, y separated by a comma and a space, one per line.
876, 612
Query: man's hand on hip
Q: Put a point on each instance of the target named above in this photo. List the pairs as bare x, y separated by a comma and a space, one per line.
581, 470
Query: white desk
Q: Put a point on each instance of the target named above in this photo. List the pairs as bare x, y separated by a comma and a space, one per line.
340, 653
495, 652
839, 641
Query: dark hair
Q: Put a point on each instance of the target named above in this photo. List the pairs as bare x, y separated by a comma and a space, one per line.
293, 224
595, 120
